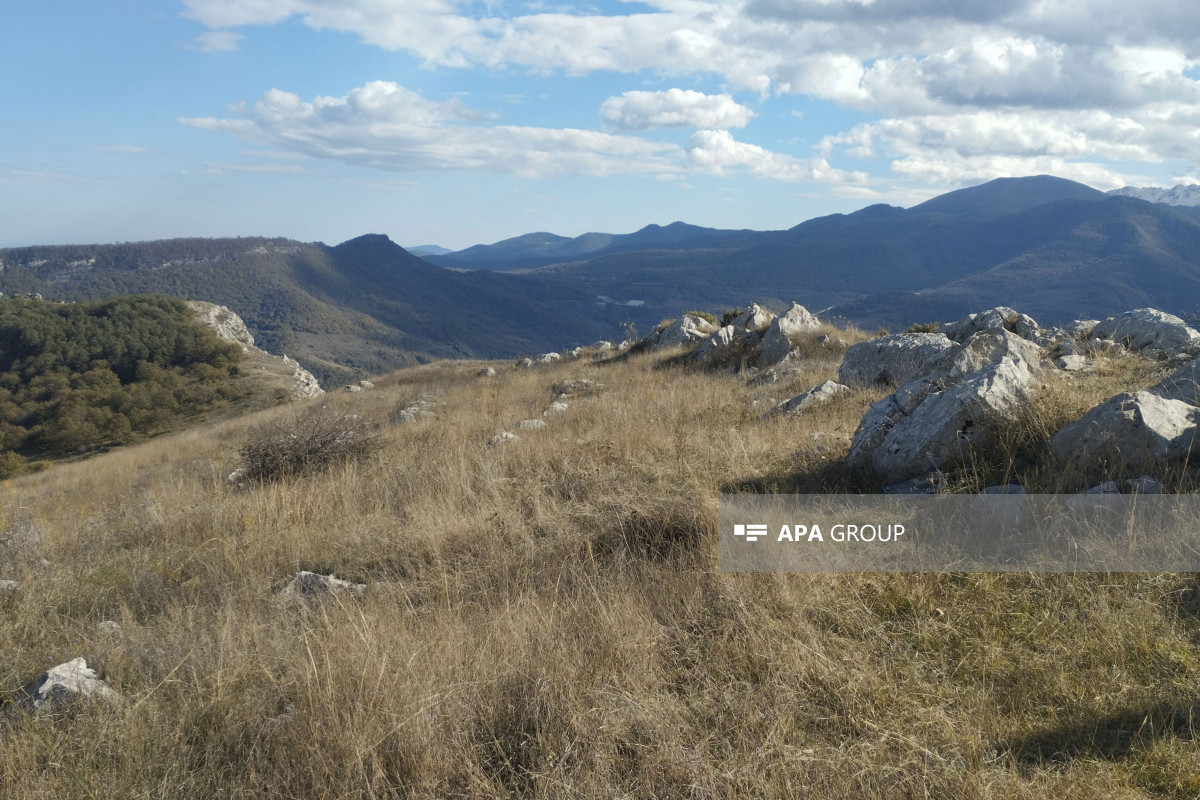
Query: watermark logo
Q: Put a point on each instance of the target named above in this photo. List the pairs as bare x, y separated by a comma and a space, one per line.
752, 533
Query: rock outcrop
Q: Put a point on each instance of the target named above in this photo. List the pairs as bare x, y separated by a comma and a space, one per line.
230, 327
688, 329
1150, 331
1183, 384
1130, 428
893, 360
994, 319
954, 406
776, 342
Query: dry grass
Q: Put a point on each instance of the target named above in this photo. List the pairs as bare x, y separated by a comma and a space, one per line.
545, 619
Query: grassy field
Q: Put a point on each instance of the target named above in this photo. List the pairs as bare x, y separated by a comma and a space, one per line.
545, 618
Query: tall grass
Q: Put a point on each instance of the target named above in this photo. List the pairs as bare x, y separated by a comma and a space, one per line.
545, 619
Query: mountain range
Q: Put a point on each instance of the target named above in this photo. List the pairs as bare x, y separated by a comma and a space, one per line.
1050, 247
1178, 195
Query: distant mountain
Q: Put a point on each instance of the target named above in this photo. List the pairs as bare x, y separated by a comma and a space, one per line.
542, 249
1047, 246
423, 250
364, 306
1179, 195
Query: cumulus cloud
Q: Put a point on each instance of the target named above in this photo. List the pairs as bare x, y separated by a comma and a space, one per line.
717, 151
674, 108
386, 126
959, 87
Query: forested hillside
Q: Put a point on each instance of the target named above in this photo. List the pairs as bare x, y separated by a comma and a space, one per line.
79, 376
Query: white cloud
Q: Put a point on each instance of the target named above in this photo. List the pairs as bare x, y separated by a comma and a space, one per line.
960, 86
717, 151
217, 41
386, 126
674, 108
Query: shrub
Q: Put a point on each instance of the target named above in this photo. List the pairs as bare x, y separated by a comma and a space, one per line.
924, 327
312, 441
729, 315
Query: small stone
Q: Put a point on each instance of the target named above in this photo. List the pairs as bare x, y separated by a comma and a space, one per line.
557, 407
109, 627
9, 586
62, 685
309, 584
486, 372
532, 424
503, 437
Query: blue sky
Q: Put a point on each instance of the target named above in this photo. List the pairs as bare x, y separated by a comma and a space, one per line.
455, 123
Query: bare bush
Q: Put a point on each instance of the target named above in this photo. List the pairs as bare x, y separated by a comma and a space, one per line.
312, 441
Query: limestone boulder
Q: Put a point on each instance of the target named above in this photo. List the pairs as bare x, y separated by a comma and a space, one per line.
61, 686
816, 396
688, 329
1150, 331
943, 416
893, 360
1183, 384
776, 341
1132, 427
994, 319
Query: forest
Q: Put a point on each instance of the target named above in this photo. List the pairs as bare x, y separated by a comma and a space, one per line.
76, 377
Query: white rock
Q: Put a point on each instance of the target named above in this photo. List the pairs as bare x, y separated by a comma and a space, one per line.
548, 358
755, 318
720, 340
366, 385
422, 408
941, 417
486, 372
108, 627
685, 330
352, 387
61, 685
503, 437
1183, 384
532, 424
893, 359
309, 584
306, 384
1131, 428
9, 586
994, 319
524, 363
816, 396
776, 342
1147, 329
557, 407
603, 345
1073, 363
236, 477
577, 387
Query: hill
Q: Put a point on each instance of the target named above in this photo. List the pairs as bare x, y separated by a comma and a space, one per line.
77, 377
547, 617
361, 307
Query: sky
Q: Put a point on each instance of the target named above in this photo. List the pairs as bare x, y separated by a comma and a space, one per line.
458, 123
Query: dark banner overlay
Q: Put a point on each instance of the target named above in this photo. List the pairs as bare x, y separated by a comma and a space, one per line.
960, 533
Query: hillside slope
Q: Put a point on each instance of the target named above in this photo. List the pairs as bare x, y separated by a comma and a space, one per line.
361, 307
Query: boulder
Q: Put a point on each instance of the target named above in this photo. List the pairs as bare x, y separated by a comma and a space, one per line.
486, 372
366, 384
352, 387
755, 318
548, 358
524, 363
994, 319
893, 359
776, 343
421, 408
941, 417
557, 407
602, 345
306, 385
1183, 384
62, 685
1151, 331
685, 330
816, 396
1131, 427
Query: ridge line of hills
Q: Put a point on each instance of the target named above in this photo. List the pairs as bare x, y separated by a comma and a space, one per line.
1055, 248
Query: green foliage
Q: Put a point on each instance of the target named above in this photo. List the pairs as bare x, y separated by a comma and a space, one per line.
924, 327
78, 376
729, 315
